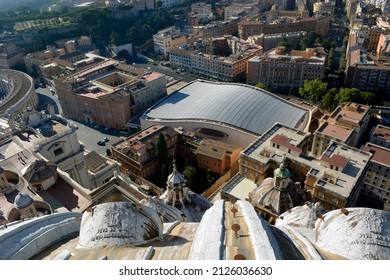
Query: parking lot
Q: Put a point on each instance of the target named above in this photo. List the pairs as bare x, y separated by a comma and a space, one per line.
89, 136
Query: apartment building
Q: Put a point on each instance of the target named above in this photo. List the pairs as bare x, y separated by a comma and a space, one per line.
203, 10
383, 47
351, 8
318, 24
109, 93
374, 33
372, 76
230, 68
10, 55
279, 68
216, 29
377, 179
240, 10
363, 69
82, 44
335, 179
218, 157
347, 124
275, 13
380, 135
167, 39
137, 154
34, 60
324, 6
270, 41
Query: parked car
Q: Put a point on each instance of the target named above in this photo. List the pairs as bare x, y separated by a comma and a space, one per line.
105, 139
101, 143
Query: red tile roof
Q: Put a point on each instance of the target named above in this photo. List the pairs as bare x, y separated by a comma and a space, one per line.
380, 154
336, 160
284, 141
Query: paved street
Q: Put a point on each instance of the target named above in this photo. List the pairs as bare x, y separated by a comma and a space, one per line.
88, 136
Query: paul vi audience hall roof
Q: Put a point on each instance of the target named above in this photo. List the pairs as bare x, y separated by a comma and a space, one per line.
237, 105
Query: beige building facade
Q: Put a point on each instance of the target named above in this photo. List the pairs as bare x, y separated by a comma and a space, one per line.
167, 39
10, 55
278, 68
377, 180
229, 68
33, 61
319, 25
110, 99
335, 179
216, 29
347, 124
137, 154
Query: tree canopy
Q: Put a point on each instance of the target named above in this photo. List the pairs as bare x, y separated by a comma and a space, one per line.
313, 90
161, 150
190, 174
102, 24
328, 99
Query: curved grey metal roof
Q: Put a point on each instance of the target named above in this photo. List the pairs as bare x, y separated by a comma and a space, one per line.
233, 104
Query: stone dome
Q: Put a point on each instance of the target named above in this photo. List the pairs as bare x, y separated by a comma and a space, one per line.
120, 224
355, 233
277, 200
304, 216
168, 213
176, 179
22, 200
40, 170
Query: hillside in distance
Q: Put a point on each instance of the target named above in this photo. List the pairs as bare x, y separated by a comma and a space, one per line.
6, 5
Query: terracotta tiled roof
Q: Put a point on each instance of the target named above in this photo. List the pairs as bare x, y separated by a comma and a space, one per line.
284, 141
